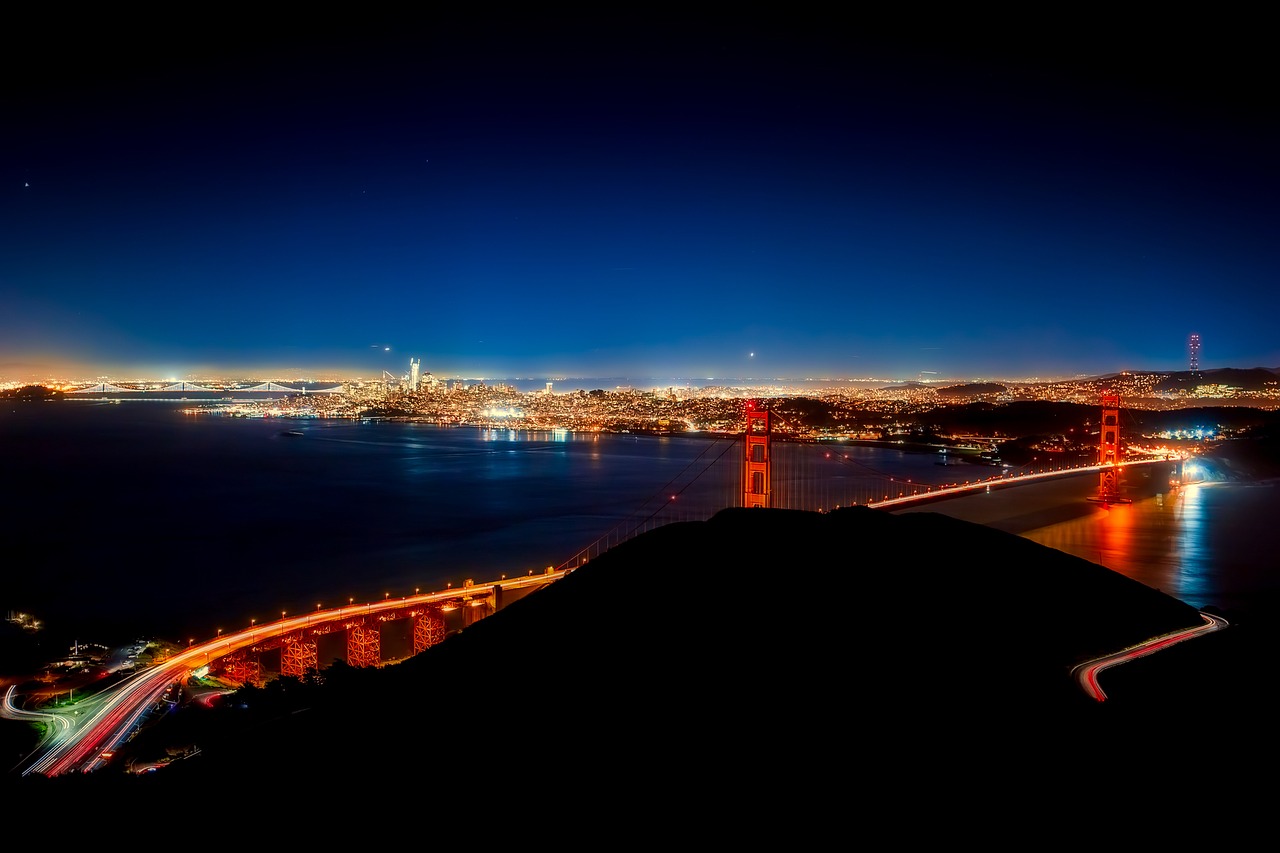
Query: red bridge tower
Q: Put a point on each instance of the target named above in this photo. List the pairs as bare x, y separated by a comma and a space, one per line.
1109, 483
755, 471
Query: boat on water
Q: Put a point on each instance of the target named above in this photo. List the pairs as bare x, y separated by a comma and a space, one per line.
292, 433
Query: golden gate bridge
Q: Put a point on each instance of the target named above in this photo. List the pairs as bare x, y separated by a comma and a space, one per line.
757, 468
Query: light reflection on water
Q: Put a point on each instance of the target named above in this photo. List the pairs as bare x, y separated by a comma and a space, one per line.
1205, 544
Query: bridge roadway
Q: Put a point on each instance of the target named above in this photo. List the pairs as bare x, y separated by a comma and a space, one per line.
85, 741
1039, 499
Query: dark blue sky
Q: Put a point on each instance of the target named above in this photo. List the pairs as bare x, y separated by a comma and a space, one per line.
644, 197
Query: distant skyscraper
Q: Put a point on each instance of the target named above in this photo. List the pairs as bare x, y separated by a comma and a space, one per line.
1194, 349
414, 364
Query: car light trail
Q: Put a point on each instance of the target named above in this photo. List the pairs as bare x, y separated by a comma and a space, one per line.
1087, 673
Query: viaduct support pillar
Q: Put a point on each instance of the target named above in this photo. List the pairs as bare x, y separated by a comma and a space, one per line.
298, 656
364, 645
428, 629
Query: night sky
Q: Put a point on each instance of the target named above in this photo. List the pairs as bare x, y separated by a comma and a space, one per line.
653, 196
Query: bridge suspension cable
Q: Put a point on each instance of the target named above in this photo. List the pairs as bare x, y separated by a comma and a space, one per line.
660, 502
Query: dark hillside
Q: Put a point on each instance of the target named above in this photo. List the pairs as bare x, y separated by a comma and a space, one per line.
1028, 418
1248, 379
1237, 418
973, 389
708, 650
1023, 417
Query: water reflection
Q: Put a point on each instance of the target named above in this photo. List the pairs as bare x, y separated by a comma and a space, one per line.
1196, 577
1204, 543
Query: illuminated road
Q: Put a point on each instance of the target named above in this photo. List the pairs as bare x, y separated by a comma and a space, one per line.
57, 724
1087, 673
103, 722
1001, 483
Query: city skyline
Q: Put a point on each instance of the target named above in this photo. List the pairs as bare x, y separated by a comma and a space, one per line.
633, 197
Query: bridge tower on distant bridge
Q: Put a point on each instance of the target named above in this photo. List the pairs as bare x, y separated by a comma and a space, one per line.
1109, 483
756, 453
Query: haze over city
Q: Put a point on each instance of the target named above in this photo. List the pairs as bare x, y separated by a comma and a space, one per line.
636, 197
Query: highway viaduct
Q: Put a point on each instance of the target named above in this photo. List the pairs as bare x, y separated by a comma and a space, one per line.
103, 722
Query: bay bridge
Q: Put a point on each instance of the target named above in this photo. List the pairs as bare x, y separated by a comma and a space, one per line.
184, 391
751, 469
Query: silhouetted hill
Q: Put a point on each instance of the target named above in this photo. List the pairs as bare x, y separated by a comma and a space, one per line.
1043, 417
748, 655
973, 389
1248, 379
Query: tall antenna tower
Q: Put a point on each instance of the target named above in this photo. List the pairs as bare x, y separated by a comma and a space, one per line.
1193, 346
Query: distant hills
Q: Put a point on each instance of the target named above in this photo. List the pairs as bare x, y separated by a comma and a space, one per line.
1252, 379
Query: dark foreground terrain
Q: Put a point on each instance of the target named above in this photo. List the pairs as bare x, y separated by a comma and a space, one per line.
759, 655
